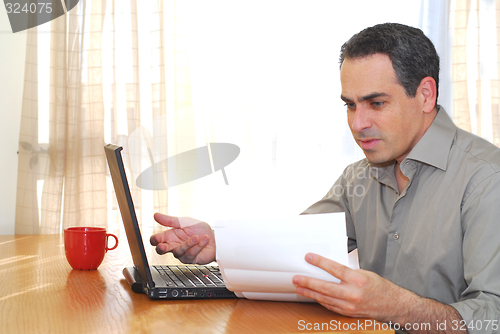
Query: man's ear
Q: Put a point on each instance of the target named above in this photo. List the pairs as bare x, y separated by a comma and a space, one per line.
428, 91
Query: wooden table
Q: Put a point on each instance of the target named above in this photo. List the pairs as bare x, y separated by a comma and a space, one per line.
40, 293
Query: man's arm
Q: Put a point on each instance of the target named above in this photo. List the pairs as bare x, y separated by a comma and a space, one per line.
479, 304
363, 293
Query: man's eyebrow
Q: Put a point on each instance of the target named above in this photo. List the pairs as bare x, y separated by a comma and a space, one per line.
364, 98
372, 96
345, 99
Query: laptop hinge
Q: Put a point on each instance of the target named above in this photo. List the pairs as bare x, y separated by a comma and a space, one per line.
134, 280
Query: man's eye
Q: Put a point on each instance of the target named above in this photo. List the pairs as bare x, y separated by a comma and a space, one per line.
350, 105
377, 104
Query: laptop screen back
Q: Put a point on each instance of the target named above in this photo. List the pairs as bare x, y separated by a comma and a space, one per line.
117, 170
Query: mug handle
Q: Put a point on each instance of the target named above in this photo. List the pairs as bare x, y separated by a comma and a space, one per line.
107, 240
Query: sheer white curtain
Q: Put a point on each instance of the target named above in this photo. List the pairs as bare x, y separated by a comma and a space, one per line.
262, 75
475, 28
87, 82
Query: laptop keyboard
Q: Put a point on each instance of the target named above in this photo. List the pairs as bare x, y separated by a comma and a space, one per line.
191, 276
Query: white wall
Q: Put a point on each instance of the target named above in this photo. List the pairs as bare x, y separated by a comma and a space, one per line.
12, 54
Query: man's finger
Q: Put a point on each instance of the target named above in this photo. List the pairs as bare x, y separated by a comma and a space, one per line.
321, 298
178, 251
153, 240
182, 248
162, 237
162, 249
190, 255
168, 221
334, 268
321, 287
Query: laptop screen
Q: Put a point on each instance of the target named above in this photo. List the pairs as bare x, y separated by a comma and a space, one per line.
117, 170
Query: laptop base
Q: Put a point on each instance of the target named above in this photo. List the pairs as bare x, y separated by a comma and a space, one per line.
137, 285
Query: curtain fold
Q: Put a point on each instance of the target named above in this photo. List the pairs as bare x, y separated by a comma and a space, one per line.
31, 155
94, 98
475, 66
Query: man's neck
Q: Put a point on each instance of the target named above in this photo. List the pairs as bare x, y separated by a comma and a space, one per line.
401, 179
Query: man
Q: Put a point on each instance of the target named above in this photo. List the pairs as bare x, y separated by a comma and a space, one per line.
425, 225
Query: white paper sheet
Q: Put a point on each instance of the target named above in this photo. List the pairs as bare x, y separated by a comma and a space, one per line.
259, 257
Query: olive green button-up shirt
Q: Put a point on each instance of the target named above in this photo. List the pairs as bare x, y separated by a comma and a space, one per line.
440, 237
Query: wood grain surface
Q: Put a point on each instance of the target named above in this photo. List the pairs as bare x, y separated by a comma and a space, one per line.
40, 293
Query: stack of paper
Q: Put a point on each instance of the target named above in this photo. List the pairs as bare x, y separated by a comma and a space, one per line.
259, 257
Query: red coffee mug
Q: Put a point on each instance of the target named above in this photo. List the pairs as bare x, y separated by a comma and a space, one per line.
86, 246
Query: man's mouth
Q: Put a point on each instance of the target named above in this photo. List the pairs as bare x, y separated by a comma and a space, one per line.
367, 144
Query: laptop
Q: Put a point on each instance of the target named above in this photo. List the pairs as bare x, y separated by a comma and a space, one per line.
158, 282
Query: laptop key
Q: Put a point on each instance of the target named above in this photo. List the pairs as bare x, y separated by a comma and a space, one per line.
203, 277
192, 277
167, 279
182, 277
212, 276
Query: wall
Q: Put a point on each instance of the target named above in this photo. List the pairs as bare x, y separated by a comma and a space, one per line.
12, 54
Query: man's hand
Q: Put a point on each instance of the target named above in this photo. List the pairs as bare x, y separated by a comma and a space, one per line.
362, 293
194, 243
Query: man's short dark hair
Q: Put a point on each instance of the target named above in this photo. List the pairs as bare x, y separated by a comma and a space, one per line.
412, 54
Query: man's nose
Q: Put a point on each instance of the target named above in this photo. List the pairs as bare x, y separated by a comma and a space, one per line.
360, 120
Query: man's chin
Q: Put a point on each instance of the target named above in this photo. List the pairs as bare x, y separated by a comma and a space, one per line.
379, 161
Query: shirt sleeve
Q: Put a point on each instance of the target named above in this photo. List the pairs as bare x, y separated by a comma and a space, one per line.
479, 304
336, 201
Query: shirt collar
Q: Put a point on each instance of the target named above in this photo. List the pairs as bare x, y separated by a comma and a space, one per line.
434, 147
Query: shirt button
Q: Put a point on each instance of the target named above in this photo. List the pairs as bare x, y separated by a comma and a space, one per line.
396, 236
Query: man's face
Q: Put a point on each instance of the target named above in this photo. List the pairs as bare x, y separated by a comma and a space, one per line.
384, 121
